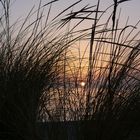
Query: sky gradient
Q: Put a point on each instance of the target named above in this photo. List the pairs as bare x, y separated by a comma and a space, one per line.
20, 8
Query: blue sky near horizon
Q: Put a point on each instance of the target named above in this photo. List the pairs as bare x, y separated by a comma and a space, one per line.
20, 8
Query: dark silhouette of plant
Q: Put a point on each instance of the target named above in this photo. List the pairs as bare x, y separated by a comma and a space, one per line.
30, 59
40, 92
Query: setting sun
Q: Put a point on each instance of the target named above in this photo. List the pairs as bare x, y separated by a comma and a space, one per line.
82, 84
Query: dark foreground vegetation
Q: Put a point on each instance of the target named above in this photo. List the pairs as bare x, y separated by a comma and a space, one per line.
40, 95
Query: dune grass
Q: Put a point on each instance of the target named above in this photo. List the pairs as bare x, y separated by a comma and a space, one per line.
30, 59
107, 107
40, 75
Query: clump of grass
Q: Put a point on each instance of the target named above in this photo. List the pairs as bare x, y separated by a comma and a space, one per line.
30, 60
105, 106
40, 75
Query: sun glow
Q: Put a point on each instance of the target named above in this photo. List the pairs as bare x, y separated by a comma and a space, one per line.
82, 84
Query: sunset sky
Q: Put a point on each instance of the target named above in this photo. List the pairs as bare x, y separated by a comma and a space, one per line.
20, 8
